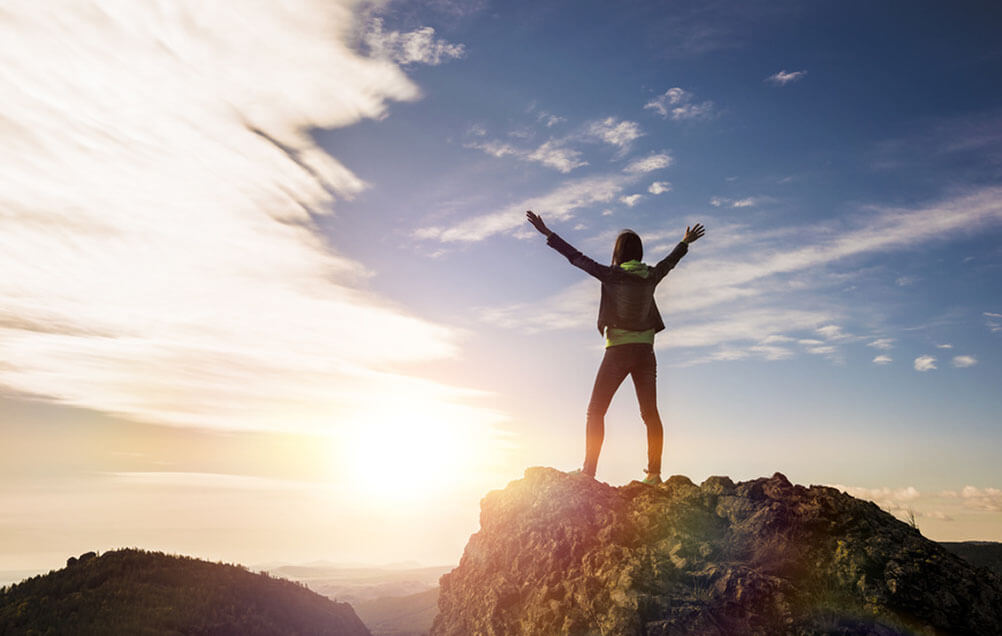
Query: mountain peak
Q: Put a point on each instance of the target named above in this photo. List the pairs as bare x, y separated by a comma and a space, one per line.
562, 553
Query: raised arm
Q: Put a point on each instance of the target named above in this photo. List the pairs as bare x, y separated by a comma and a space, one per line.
669, 262
576, 258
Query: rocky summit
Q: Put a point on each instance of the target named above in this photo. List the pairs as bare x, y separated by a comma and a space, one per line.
562, 553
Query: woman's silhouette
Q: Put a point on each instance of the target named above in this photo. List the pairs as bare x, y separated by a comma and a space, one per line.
628, 317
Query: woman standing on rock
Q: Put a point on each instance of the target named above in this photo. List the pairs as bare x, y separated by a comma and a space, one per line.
628, 317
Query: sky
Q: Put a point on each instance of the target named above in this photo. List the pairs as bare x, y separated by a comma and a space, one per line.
268, 293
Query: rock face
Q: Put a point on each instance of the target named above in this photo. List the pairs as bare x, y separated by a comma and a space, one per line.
565, 554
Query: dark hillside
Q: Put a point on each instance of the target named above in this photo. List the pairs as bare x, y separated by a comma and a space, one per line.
137, 592
984, 554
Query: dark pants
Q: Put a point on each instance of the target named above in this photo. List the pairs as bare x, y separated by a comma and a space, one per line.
629, 359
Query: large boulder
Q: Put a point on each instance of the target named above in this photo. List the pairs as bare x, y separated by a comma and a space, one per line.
564, 554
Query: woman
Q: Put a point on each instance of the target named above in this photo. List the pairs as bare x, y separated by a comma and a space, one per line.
628, 317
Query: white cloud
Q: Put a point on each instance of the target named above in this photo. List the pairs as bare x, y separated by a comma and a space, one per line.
964, 361
619, 133
659, 187
987, 499
925, 363
560, 158
159, 255
656, 161
782, 78
414, 47
882, 343
557, 205
631, 200
905, 281
679, 104
883, 359
944, 346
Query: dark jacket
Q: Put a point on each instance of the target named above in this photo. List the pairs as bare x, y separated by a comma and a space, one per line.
627, 299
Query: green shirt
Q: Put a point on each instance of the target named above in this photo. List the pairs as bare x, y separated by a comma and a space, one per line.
615, 336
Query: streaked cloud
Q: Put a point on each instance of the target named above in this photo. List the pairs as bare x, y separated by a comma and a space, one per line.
882, 343
679, 104
925, 363
782, 78
160, 257
883, 359
752, 278
414, 47
993, 321
964, 361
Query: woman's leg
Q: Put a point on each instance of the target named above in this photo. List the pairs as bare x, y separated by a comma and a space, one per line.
645, 382
611, 374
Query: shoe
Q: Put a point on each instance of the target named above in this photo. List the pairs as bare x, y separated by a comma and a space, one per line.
652, 479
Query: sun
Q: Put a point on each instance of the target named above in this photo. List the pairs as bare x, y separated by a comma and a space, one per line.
408, 455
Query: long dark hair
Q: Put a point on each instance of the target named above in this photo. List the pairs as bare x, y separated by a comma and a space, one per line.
628, 248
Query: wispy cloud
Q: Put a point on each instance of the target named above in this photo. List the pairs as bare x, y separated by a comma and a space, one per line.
552, 153
413, 47
679, 104
159, 254
659, 187
631, 200
782, 78
883, 359
746, 202
925, 363
964, 361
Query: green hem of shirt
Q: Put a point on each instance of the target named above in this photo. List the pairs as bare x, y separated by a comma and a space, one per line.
615, 337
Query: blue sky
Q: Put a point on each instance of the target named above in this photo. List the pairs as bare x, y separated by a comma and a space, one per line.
291, 297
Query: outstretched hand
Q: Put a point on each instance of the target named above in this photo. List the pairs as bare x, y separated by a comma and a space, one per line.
537, 222
693, 233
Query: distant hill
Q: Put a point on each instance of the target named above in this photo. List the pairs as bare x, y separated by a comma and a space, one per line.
410, 615
138, 592
984, 554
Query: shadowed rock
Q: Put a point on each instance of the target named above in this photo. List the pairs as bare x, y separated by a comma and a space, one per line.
565, 554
